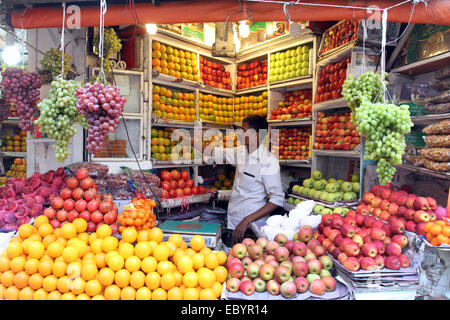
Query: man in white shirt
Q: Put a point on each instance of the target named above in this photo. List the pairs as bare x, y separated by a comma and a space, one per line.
257, 187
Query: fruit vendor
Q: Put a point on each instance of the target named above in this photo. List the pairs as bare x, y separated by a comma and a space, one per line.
257, 190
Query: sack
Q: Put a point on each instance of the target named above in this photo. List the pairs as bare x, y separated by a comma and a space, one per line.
442, 141
436, 154
441, 127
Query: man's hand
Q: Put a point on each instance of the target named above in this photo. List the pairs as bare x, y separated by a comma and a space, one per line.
238, 233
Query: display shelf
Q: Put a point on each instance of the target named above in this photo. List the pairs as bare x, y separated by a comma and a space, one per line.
347, 204
292, 84
337, 153
424, 66
164, 79
10, 154
424, 171
216, 91
214, 125
11, 121
296, 163
306, 121
158, 122
429, 118
159, 164
261, 87
330, 54
330, 104
185, 201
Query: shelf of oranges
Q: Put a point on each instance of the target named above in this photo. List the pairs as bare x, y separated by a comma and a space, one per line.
252, 104
215, 109
174, 63
15, 143
18, 169
173, 104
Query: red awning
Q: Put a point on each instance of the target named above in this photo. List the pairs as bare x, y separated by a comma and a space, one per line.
195, 11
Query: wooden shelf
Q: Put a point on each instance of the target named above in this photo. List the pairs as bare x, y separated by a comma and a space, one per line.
306, 81
164, 79
262, 87
216, 125
10, 154
307, 121
337, 153
178, 202
424, 66
330, 104
157, 122
216, 91
295, 163
429, 118
159, 164
424, 171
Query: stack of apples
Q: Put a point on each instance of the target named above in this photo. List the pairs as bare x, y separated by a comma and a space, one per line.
293, 143
80, 199
176, 184
280, 266
335, 132
214, 74
397, 206
360, 241
340, 34
331, 79
296, 104
251, 74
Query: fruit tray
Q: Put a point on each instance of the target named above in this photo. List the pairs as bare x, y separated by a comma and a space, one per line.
444, 246
340, 293
388, 283
343, 203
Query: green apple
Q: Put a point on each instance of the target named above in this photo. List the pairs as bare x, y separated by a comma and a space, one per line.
355, 187
295, 188
331, 187
272, 58
340, 182
298, 50
346, 186
282, 70
305, 57
305, 71
323, 196
338, 210
278, 55
276, 78
332, 180
324, 273
305, 49
317, 194
311, 277
305, 191
355, 178
298, 66
290, 200
318, 208
282, 55
319, 185
298, 73
311, 193
348, 196
305, 64
297, 201
309, 183
317, 175
327, 211
339, 195
299, 58
292, 74
287, 53
331, 197
288, 61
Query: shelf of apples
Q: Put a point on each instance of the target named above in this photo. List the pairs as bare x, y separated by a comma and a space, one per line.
281, 266
174, 62
331, 191
319, 208
407, 211
296, 104
214, 108
173, 105
214, 74
80, 199
335, 132
176, 184
293, 143
250, 105
251, 74
330, 80
161, 145
289, 64
338, 35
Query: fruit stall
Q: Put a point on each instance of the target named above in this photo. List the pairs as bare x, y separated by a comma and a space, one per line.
101, 196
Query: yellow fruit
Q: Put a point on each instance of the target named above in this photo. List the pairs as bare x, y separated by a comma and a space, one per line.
175, 294
129, 235
93, 288
89, 271
31, 266
84, 237
217, 288
70, 253
26, 230
35, 281
191, 294
168, 281
45, 267
149, 264
78, 285
68, 296
205, 251
103, 231
109, 244
14, 249
73, 270
126, 250
197, 243
12, 293
4, 264
207, 294
54, 295
80, 224
137, 279
198, 260
49, 283
36, 250
155, 234
55, 249
17, 264
222, 257
176, 239
133, 264
211, 260
143, 293
122, 278
26, 294
206, 279
40, 294
161, 252
64, 284
142, 236
152, 280
59, 268
7, 278
221, 273
96, 246
98, 297
143, 249
112, 292
106, 277
190, 279
185, 264
128, 293
159, 294
100, 260
190, 252
40, 220
21, 280
69, 231
115, 262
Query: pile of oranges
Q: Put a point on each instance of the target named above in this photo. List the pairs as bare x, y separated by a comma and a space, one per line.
438, 232
138, 214
42, 263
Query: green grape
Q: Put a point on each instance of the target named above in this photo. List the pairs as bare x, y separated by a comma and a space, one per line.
59, 115
52, 62
111, 44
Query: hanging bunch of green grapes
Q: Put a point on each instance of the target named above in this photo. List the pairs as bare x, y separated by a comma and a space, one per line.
384, 127
111, 44
366, 87
59, 115
52, 62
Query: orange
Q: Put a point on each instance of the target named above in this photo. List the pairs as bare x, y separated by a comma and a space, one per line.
4, 263
100, 260
171, 248
207, 294
109, 244
143, 293
96, 246
159, 294
55, 249
205, 251
45, 267
69, 231
122, 278
440, 223
106, 276
206, 279
84, 237
217, 288
112, 292
137, 279
129, 235
17, 264
211, 260
62, 241
168, 281
80, 225
128, 293
164, 267
126, 250
48, 239
40, 220
103, 231
222, 257
21, 280
149, 264
435, 242
45, 229
92, 237
178, 278
26, 230
199, 260
36, 250
133, 264
83, 296
73, 270
89, 271
14, 249
49, 283
115, 262
59, 268
31, 266
78, 285
64, 284
57, 232
190, 279
152, 280
40, 294
2, 291
197, 243
54, 295
176, 239
70, 253
428, 226
221, 273
93, 288
191, 294
177, 255
142, 235
161, 252
155, 234
175, 294
143, 249
446, 231
185, 264
442, 239
435, 229
68, 296
429, 236
12, 293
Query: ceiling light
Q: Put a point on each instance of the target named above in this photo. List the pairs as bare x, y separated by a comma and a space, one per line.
151, 28
244, 29
11, 55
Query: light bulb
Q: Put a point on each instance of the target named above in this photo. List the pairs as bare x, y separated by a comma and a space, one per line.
11, 55
151, 28
269, 29
244, 29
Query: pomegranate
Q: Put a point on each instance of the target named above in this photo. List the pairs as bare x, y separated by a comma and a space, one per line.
82, 174
72, 182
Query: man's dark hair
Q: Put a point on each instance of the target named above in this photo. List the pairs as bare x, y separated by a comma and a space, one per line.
256, 122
